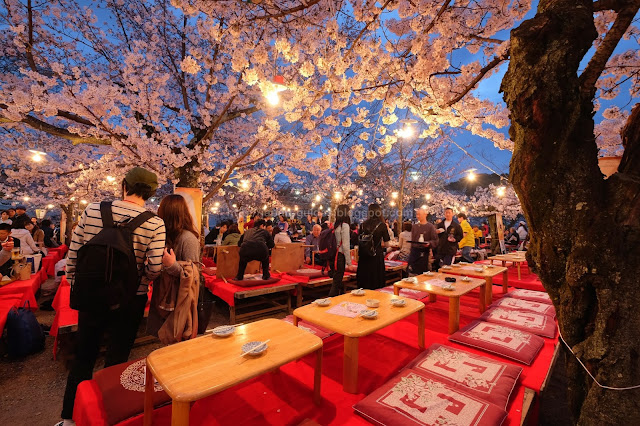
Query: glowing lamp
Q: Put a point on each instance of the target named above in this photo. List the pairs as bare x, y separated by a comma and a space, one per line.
392, 203
50, 206
37, 156
427, 196
111, 179
84, 202
394, 195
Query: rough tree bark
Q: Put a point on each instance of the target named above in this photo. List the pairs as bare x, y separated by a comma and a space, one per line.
585, 230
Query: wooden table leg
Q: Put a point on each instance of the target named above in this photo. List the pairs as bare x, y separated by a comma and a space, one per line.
299, 296
454, 314
432, 298
505, 282
488, 291
317, 378
396, 290
295, 320
350, 365
148, 398
518, 266
421, 328
483, 297
180, 413
288, 302
232, 314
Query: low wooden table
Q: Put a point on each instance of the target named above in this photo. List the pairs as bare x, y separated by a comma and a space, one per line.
354, 328
200, 367
504, 258
461, 288
487, 274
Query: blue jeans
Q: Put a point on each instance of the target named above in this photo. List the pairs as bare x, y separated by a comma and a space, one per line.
466, 254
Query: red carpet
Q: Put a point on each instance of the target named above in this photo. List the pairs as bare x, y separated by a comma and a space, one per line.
285, 397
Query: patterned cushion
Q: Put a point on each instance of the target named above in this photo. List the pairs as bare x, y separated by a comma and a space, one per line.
540, 324
476, 375
531, 295
122, 389
526, 305
412, 399
507, 342
322, 333
406, 292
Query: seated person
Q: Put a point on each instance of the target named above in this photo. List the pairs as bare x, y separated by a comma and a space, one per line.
512, 239
268, 225
27, 245
49, 233
233, 236
313, 239
254, 245
7, 246
280, 237
215, 236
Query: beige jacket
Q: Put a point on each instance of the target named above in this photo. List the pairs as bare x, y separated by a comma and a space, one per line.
173, 314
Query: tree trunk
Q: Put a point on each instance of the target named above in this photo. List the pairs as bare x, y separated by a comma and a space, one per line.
585, 231
69, 212
188, 175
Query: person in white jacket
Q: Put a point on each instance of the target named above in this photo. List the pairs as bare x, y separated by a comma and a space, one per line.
27, 245
342, 232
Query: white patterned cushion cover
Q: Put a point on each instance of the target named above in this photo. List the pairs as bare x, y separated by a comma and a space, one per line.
540, 324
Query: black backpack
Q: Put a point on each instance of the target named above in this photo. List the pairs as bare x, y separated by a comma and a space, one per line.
327, 245
366, 244
106, 268
24, 334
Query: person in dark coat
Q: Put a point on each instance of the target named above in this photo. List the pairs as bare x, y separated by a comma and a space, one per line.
254, 245
370, 273
449, 235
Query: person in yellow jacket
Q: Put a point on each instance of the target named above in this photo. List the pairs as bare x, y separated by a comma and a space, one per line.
468, 240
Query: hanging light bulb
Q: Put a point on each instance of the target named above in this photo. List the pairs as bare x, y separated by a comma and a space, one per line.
320, 207
85, 202
337, 195
272, 97
50, 206
359, 191
235, 206
110, 179
394, 195
424, 207
427, 196
244, 184
216, 204
264, 207
276, 86
318, 197
500, 191
392, 203
407, 131
313, 204
26, 198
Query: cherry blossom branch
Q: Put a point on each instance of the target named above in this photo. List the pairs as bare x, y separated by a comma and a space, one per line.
43, 126
363, 30
605, 50
602, 5
287, 11
494, 62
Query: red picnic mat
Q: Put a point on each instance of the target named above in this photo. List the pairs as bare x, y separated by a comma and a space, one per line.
226, 291
24, 289
285, 397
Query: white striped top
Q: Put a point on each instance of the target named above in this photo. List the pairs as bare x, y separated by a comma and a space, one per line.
148, 239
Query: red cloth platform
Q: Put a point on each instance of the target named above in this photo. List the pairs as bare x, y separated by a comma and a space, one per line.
49, 263
285, 396
25, 289
226, 291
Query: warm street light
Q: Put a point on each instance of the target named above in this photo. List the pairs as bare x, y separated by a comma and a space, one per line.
313, 204
320, 207
424, 207
337, 195
26, 198
111, 179
50, 206
318, 197
216, 204
84, 202
244, 184
471, 176
394, 195
38, 156
501, 191
407, 131
277, 86
392, 203
427, 196
295, 208
264, 207
235, 206
359, 191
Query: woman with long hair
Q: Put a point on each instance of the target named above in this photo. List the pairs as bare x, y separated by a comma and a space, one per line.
370, 273
233, 235
342, 231
183, 240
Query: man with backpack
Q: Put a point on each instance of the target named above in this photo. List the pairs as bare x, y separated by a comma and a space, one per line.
115, 251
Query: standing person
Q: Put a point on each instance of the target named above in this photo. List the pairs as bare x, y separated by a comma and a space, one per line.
5, 218
21, 217
422, 232
404, 242
449, 234
342, 232
49, 234
468, 240
180, 274
254, 245
121, 323
370, 273
522, 231
392, 234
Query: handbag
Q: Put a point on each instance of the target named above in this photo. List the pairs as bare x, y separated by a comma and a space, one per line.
366, 245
